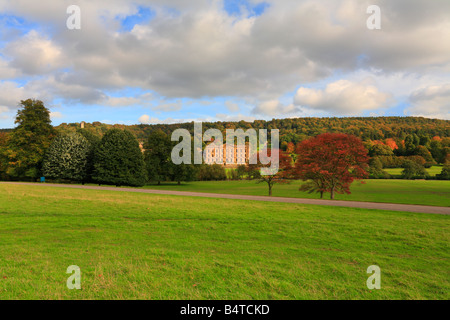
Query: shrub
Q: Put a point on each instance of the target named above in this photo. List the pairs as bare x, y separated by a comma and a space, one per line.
211, 172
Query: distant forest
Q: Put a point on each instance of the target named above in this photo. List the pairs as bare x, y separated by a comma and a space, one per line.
298, 129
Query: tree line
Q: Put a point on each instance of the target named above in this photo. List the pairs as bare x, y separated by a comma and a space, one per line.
296, 130
328, 162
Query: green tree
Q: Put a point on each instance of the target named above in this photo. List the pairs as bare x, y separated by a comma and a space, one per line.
413, 170
445, 173
214, 172
241, 170
376, 169
411, 143
182, 172
380, 150
118, 160
94, 141
425, 153
29, 141
3, 162
67, 158
437, 151
158, 150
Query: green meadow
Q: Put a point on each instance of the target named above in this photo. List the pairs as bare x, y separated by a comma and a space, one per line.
433, 171
421, 192
143, 246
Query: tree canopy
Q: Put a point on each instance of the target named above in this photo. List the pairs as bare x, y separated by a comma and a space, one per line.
118, 160
29, 140
330, 162
67, 158
158, 150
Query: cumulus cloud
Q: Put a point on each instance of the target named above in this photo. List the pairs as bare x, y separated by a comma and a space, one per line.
3, 113
11, 94
195, 49
431, 102
274, 108
56, 115
231, 118
146, 119
343, 97
34, 54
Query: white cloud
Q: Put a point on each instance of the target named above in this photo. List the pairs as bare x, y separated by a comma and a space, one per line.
146, 119
169, 107
34, 54
431, 102
274, 108
56, 115
232, 118
11, 94
194, 49
344, 97
3, 113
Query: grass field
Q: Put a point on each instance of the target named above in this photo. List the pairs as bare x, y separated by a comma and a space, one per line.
141, 246
433, 171
430, 192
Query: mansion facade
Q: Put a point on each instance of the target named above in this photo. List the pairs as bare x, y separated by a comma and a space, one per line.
229, 156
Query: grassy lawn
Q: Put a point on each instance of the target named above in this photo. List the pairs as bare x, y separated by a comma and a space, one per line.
430, 192
141, 246
433, 171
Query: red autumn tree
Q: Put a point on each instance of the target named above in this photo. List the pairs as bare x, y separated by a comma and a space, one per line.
331, 162
281, 173
391, 143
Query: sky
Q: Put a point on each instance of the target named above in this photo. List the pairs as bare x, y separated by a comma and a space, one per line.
168, 61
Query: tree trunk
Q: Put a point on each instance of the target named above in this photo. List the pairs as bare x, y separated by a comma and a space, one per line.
179, 182
270, 190
332, 193
159, 183
321, 194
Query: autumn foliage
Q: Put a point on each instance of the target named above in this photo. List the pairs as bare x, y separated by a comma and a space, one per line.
331, 162
280, 175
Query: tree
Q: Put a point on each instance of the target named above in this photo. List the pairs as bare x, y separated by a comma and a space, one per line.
412, 170
118, 160
3, 162
376, 169
411, 143
182, 172
280, 175
331, 161
445, 173
423, 152
67, 158
240, 171
214, 172
437, 151
380, 150
94, 141
29, 141
158, 150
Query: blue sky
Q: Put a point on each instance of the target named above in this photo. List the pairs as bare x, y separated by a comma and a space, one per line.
174, 61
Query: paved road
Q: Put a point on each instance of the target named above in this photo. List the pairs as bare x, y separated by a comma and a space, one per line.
334, 203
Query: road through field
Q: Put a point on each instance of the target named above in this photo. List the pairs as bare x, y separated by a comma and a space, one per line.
335, 203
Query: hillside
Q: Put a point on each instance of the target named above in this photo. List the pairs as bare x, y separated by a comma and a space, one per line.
298, 129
